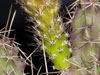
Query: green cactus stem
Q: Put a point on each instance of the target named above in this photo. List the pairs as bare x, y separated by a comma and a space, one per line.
50, 29
85, 37
10, 63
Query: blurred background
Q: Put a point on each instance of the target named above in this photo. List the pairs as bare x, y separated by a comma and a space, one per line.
20, 25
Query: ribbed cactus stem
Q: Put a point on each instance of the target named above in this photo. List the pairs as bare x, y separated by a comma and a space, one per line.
10, 63
85, 37
45, 13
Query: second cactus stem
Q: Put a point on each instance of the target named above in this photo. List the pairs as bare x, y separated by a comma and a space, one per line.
50, 29
10, 63
85, 38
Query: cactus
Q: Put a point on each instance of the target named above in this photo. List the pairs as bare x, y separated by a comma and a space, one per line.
50, 29
85, 39
10, 63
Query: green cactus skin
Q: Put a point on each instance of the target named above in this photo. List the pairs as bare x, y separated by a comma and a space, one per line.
45, 13
10, 63
85, 38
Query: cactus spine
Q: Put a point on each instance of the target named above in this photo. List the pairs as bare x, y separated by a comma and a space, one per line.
50, 29
10, 62
85, 38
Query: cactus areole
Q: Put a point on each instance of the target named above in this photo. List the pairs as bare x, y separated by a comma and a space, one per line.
50, 28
